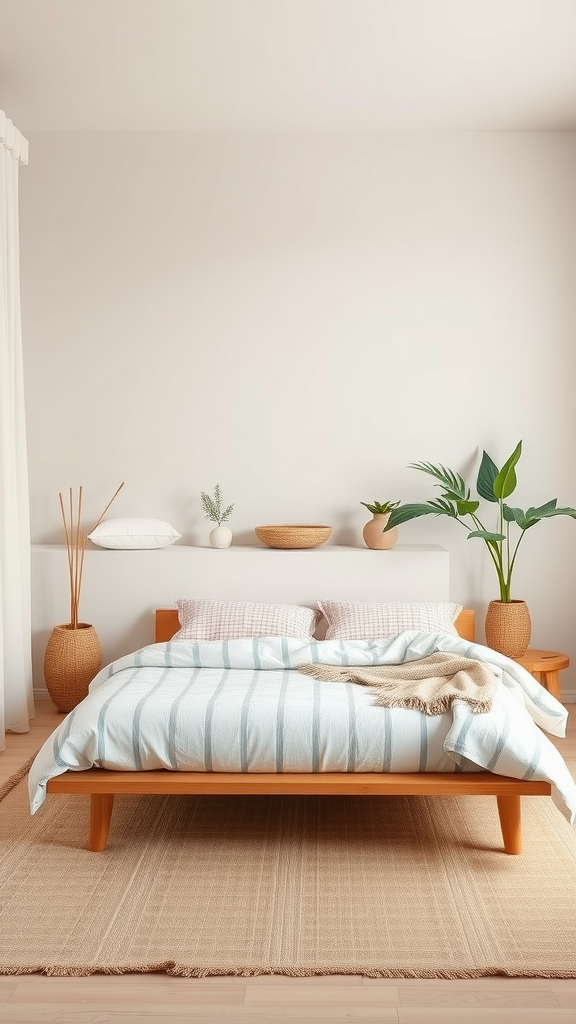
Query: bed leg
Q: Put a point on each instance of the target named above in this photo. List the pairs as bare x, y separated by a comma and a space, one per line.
100, 814
510, 823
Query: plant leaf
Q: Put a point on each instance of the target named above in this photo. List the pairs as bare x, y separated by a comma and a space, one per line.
558, 512
443, 508
456, 496
533, 515
510, 513
543, 510
405, 513
486, 535
505, 482
449, 480
522, 519
380, 507
486, 476
466, 508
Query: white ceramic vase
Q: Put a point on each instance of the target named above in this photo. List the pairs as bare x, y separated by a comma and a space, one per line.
220, 537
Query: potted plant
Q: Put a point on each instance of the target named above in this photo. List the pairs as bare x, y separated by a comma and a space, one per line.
220, 536
373, 532
73, 654
507, 621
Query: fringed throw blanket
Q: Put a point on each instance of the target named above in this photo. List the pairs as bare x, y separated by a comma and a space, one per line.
429, 684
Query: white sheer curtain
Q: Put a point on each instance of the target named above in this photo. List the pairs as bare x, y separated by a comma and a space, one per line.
16, 695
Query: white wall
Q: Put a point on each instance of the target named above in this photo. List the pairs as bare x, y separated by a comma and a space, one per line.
298, 317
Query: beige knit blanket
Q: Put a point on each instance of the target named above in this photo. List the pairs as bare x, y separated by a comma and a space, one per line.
429, 684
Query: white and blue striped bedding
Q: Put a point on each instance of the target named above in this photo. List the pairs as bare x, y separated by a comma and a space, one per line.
242, 706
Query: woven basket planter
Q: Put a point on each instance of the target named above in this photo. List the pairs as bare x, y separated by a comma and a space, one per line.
72, 659
508, 627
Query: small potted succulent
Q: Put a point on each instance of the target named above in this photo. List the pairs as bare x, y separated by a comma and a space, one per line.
373, 533
220, 536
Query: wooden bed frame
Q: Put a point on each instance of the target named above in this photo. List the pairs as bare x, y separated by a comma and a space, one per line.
103, 784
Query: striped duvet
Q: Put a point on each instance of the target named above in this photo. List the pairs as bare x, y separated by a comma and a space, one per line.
242, 706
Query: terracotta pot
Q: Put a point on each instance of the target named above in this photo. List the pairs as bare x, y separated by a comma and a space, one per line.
373, 534
508, 627
72, 659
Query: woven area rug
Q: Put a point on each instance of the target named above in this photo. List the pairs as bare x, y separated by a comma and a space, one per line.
384, 887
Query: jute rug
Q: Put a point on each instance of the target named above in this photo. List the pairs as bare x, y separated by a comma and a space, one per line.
194, 886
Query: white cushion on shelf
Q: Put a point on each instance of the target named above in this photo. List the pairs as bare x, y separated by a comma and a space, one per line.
133, 532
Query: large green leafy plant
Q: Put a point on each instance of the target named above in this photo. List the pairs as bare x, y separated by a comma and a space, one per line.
493, 485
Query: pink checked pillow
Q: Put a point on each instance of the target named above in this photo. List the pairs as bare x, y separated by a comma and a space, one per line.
234, 620
373, 620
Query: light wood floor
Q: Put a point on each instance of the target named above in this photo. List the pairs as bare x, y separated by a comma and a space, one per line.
152, 998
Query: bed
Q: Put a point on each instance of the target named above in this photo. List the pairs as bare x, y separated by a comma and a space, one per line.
466, 777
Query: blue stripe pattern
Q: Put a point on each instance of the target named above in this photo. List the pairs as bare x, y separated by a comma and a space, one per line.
352, 734
226, 654
136, 722
59, 741
535, 759
100, 731
256, 653
173, 719
285, 652
387, 759
423, 744
500, 744
208, 717
344, 656
459, 742
280, 724
316, 727
244, 724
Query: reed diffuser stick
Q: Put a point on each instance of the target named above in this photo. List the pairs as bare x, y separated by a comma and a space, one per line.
76, 539
69, 552
97, 523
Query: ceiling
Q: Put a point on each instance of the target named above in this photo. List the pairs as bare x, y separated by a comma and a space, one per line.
288, 65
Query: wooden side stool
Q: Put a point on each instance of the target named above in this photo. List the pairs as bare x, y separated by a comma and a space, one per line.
545, 666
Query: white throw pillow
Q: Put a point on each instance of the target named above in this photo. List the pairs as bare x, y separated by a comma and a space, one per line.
372, 620
133, 532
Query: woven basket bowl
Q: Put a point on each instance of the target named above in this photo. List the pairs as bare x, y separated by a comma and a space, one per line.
293, 536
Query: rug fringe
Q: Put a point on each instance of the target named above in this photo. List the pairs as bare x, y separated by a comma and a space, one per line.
13, 781
173, 969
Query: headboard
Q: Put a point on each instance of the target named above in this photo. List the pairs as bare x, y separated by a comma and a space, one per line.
167, 624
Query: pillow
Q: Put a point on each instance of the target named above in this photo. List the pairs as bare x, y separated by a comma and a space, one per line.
371, 620
233, 620
133, 533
